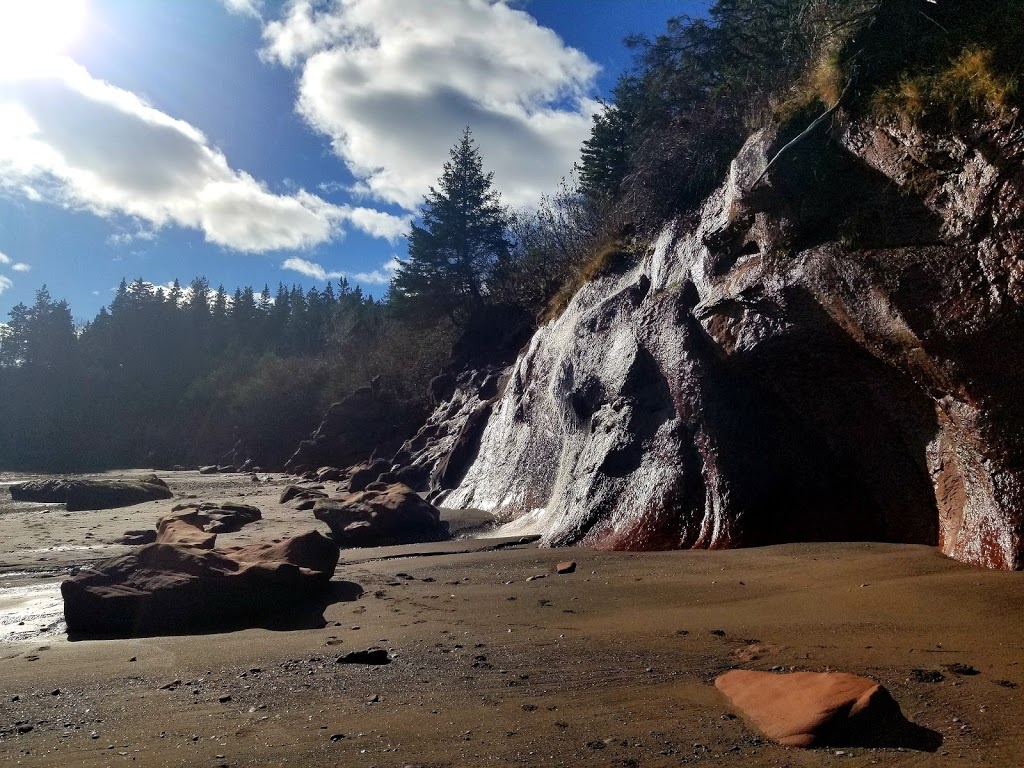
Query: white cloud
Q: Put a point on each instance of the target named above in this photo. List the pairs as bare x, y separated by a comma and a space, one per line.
245, 7
4, 258
21, 267
5, 283
310, 269
392, 83
86, 144
382, 276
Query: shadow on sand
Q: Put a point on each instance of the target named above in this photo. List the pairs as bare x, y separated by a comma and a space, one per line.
167, 616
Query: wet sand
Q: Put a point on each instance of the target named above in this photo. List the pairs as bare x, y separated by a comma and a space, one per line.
608, 666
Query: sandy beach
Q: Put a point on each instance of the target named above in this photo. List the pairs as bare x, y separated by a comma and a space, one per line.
497, 660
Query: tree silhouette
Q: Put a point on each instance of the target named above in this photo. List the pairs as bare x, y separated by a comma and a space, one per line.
462, 237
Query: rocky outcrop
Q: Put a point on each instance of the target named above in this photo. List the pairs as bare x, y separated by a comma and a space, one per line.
182, 584
830, 353
392, 515
214, 517
80, 494
438, 456
367, 422
823, 709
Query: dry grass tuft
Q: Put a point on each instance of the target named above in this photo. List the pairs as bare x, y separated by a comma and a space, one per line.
969, 85
607, 255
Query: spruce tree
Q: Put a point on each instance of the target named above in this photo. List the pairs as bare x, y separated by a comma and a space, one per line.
462, 237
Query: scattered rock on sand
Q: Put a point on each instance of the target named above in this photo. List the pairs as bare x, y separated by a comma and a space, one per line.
961, 669
396, 515
215, 517
567, 566
815, 709
373, 656
79, 494
301, 498
366, 473
138, 537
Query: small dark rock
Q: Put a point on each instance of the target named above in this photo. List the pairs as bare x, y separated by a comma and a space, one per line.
960, 669
926, 676
373, 656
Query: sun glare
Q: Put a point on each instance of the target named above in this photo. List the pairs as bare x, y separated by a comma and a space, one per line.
36, 31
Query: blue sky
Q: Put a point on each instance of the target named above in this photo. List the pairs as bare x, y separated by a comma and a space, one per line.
263, 142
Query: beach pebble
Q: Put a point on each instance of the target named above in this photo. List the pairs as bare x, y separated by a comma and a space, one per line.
566, 566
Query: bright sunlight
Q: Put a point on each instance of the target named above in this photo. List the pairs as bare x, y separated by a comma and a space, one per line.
36, 31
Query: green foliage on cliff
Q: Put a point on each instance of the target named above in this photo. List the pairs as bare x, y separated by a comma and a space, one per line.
698, 89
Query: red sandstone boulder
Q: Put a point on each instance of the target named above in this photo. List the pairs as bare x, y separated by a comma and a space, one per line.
184, 586
181, 530
394, 515
815, 709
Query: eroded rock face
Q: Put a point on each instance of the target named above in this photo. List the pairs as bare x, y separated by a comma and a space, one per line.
757, 378
366, 422
437, 457
80, 494
393, 515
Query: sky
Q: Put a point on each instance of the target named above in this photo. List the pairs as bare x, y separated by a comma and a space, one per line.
255, 142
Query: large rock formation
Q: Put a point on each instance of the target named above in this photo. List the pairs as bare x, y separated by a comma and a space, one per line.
440, 453
828, 353
394, 514
182, 584
79, 494
366, 422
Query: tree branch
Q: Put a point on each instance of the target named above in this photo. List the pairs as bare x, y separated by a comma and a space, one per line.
803, 135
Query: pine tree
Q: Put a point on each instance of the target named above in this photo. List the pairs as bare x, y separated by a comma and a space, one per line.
462, 237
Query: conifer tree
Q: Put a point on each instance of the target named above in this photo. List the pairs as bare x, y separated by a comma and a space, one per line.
462, 237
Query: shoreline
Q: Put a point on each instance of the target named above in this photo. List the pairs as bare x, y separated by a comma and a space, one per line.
610, 665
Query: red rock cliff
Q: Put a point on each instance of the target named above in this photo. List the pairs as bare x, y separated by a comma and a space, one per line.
831, 352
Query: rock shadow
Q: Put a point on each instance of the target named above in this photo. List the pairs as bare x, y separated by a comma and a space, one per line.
178, 615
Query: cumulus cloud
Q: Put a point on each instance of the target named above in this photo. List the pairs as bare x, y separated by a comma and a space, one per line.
5, 283
86, 144
382, 276
310, 269
393, 83
21, 267
4, 258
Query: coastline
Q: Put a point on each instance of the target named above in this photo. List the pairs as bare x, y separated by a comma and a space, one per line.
610, 665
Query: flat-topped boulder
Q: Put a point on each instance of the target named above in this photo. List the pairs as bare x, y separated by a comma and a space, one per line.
817, 709
81, 493
393, 515
218, 517
178, 586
